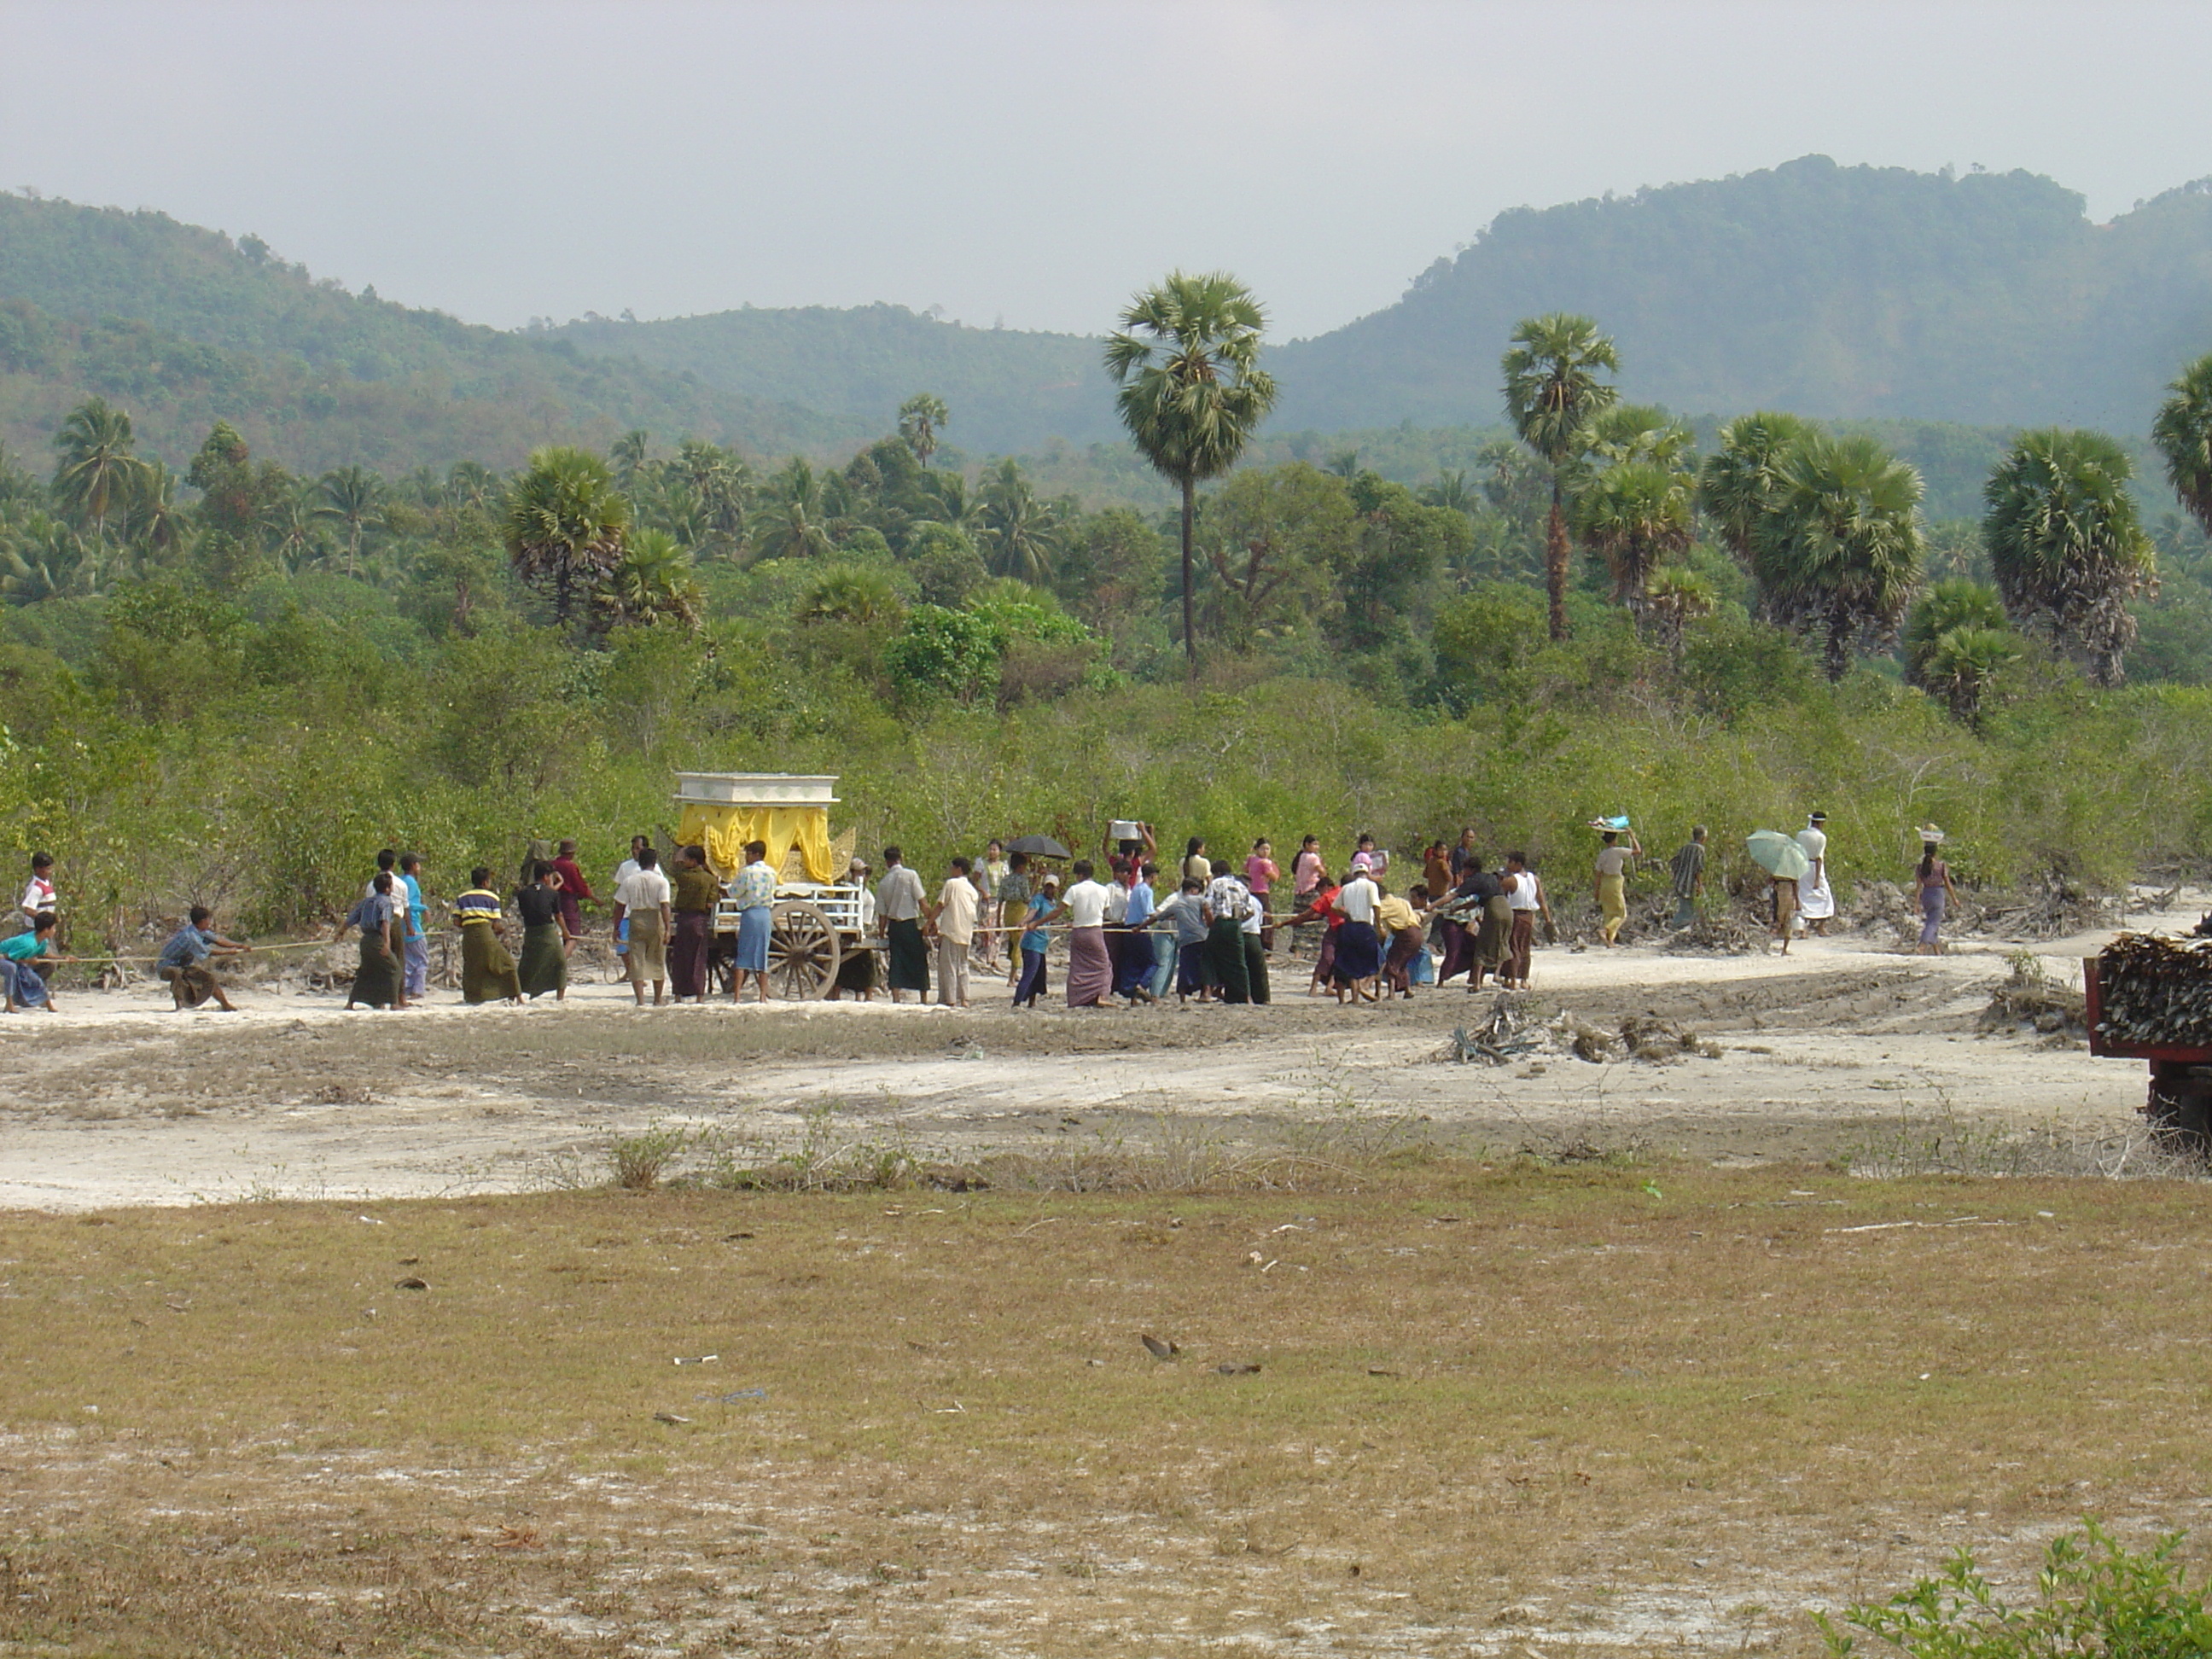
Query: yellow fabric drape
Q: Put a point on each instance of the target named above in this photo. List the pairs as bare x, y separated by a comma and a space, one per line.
724, 830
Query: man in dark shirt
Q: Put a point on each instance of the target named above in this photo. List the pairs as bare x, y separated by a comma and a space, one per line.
183, 962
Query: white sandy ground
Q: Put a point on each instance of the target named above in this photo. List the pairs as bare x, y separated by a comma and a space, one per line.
1843, 1033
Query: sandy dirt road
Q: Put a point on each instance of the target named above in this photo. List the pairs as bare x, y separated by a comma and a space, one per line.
119, 1100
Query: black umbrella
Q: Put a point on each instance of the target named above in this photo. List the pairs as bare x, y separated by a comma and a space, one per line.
1038, 846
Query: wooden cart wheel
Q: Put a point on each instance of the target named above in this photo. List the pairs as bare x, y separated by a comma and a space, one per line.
802, 952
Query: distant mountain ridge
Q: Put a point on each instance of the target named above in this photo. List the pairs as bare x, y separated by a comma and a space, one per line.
1840, 292
1843, 292
182, 326
1864, 292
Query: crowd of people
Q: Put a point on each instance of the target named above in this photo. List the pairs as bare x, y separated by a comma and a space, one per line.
1198, 928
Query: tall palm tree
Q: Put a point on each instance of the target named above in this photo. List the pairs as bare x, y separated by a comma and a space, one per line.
1186, 359
921, 418
1552, 392
2066, 545
2183, 432
1840, 551
1637, 515
97, 468
1743, 480
1022, 533
567, 525
352, 497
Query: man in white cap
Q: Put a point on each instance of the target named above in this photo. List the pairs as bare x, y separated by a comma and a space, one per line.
1816, 901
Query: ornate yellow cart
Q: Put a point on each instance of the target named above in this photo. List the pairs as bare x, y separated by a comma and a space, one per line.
818, 915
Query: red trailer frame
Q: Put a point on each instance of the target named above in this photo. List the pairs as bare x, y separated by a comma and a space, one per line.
2180, 1094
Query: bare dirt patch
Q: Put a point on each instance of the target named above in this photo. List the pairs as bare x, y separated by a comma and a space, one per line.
1795, 1058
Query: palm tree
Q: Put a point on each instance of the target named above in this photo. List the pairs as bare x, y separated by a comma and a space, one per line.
1839, 551
291, 522
353, 496
1453, 490
97, 471
653, 582
1743, 480
2183, 432
567, 525
628, 454
1640, 432
149, 521
792, 524
1674, 597
1552, 394
1022, 533
862, 594
921, 418
1637, 515
2066, 545
1956, 602
1192, 393
1963, 663
469, 483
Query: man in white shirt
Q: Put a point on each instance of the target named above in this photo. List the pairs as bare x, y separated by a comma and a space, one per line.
1358, 963
1816, 900
900, 902
952, 919
38, 896
641, 897
628, 866
1090, 966
1357, 899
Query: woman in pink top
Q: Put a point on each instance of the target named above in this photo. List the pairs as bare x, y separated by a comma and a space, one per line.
1306, 871
1260, 875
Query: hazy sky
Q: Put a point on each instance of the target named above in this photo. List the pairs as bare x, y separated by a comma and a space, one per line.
1030, 162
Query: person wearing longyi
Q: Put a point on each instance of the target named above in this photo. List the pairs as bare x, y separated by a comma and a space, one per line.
899, 904
21, 985
488, 971
1612, 882
1816, 900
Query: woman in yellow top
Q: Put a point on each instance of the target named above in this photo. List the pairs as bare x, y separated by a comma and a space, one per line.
1398, 920
1613, 862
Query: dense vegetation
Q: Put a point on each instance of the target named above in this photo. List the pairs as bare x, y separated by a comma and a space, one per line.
232, 682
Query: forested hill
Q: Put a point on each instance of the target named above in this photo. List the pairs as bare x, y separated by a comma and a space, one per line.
1010, 391
1830, 290
184, 327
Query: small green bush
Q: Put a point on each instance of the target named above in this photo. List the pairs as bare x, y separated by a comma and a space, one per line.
2092, 1596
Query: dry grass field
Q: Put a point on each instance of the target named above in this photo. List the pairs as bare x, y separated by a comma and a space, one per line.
1505, 1409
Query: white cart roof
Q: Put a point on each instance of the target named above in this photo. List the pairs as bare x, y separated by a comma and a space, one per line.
756, 789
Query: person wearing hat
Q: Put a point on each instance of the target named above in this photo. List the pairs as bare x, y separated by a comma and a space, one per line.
1932, 879
1816, 901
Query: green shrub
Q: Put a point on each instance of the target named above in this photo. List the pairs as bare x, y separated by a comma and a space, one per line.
2092, 1596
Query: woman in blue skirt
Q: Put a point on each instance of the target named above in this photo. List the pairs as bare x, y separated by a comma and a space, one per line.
753, 892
